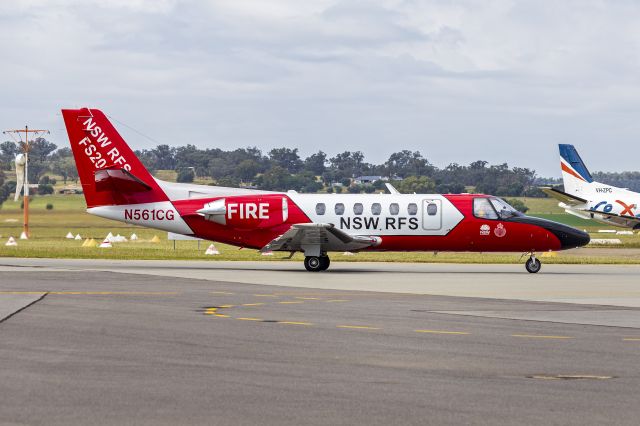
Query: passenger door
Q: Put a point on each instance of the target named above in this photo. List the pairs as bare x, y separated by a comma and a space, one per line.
431, 215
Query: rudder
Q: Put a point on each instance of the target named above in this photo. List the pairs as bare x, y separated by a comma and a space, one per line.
109, 171
575, 175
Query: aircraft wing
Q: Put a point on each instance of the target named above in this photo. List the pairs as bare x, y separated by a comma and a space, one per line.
568, 199
325, 236
624, 221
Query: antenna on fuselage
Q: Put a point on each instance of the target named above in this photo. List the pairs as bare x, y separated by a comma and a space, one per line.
391, 188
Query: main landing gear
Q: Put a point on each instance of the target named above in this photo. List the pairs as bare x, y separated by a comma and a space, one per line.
533, 265
316, 263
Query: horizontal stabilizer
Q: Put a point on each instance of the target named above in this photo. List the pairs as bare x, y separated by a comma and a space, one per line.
119, 180
580, 214
568, 199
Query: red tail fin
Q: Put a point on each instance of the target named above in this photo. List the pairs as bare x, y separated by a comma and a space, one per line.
109, 171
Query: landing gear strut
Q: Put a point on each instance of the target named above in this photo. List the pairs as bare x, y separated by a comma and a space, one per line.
533, 265
316, 263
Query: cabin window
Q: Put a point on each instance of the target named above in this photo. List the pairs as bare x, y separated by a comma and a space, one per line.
358, 208
376, 209
483, 209
412, 209
339, 209
432, 209
320, 209
394, 208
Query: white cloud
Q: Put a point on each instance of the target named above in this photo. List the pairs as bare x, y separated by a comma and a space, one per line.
457, 80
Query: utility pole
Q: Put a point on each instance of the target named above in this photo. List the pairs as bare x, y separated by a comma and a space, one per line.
26, 148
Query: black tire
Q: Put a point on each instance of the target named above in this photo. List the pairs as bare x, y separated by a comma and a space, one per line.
313, 263
325, 262
533, 265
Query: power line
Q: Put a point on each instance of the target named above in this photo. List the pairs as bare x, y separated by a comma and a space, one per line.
134, 130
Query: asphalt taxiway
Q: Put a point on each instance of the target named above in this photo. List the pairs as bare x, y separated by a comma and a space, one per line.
190, 342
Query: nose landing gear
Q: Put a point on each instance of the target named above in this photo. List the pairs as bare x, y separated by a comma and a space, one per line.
532, 264
317, 263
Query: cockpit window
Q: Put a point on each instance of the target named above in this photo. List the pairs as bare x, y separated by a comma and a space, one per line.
505, 211
483, 209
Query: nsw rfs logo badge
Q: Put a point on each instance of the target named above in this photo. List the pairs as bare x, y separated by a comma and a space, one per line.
500, 231
485, 229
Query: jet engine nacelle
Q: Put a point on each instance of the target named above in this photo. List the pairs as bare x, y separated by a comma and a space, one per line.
249, 212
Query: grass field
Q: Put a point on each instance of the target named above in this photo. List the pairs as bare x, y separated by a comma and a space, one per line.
49, 227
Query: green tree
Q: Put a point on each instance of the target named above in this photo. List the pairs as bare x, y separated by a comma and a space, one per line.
247, 170
65, 167
417, 184
185, 175
229, 182
450, 188
406, 163
165, 157
191, 156
8, 151
306, 182
379, 184
4, 190
316, 163
45, 189
348, 164
518, 205
274, 179
39, 156
220, 168
286, 158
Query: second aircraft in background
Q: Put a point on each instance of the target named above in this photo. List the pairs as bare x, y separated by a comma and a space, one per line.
588, 199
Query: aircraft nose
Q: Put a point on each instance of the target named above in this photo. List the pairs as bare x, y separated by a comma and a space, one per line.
570, 237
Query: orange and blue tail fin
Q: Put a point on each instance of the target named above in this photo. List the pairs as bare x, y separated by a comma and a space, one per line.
575, 175
572, 163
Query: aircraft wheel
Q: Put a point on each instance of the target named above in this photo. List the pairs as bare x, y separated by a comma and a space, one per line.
533, 265
325, 262
313, 263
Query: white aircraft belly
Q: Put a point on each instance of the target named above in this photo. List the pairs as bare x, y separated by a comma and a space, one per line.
161, 215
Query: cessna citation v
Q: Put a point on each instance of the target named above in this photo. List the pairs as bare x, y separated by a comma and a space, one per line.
117, 186
585, 198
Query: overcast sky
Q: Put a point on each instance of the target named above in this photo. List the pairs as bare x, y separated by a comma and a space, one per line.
503, 81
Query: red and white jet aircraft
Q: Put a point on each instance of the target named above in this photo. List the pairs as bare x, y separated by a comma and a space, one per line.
117, 186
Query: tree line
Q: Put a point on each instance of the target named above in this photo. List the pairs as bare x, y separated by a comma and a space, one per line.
283, 169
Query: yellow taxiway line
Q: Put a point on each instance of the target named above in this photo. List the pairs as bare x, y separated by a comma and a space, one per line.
441, 332
538, 336
358, 327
